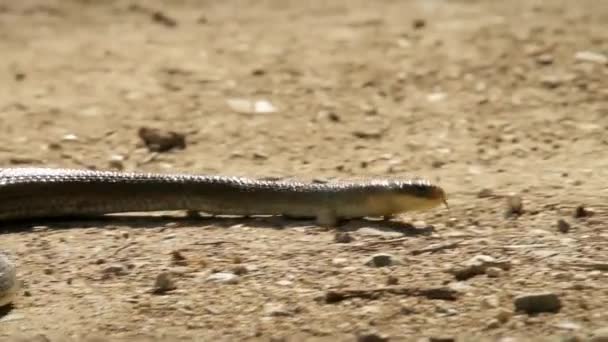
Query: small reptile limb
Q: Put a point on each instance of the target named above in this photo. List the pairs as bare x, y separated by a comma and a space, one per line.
28, 193
8, 280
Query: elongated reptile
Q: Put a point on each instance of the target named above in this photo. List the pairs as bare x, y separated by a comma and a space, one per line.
27, 193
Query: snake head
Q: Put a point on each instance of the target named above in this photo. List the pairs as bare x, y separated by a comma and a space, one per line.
419, 195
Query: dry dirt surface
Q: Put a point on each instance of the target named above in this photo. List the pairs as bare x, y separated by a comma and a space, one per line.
502, 103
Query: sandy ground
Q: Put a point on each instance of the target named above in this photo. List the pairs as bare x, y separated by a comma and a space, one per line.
487, 98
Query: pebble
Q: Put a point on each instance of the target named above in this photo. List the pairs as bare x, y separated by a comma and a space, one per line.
490, 302
368, 134
563, 226
284, 282
418, 23
367, 231
599, 335
372, 337
436, 97
157, 140
477, 266
442, 339
162, 19
333, 116
69, 137
276, 310
446, 311
509, 339
264, 107
20, 76
503, 315
545, 59
342, 237
492, 324
437, 164
258, 72
23, 160
485, 193
163, 283
392, 280
339, 261
581, 212
493, 272
178, 259
223, 278
538, 302
116, 161
369, 110
595, 274
514, 206
579, 277
245, 106
240, 270
329, 115
460, 286
115, 270
381, 260
567, 325
551, 81
259, 155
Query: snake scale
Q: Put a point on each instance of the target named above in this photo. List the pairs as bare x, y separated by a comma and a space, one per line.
33, 193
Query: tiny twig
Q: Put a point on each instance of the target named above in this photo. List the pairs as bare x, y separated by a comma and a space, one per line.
523, 246
206, 243
595, 265
123, 247
443, 293
437, 247
385, 242
371, 244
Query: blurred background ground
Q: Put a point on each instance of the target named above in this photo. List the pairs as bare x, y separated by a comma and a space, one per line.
487, 98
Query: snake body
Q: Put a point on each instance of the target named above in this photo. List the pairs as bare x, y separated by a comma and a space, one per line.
27, 193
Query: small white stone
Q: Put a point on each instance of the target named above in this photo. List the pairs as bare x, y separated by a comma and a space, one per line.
91, 111
69, 137
285, 282
436, 97
223, 278
590, 56
339, 262
264, 107
367, 231
245, 106
116, 161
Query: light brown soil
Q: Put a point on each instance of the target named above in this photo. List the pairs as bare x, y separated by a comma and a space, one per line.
471, 94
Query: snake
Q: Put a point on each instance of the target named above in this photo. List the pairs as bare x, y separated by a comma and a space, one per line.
39, 192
